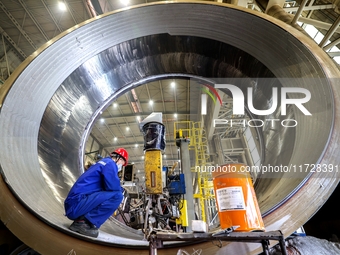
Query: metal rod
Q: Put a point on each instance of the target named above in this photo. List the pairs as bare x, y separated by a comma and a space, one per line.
330, 45
283, 246
299, 11
265, 247
330, 32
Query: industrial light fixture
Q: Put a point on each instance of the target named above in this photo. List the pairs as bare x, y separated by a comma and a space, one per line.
150, 102
115, 139
62, 6
175, 115
127, 128
173, 84
125, 2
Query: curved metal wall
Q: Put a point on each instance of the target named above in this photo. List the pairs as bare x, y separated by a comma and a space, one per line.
56, 94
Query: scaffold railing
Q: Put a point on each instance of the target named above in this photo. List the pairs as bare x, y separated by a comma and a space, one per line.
199, 144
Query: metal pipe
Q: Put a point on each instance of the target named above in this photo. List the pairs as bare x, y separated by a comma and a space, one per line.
185, 166
299, 11
91, 8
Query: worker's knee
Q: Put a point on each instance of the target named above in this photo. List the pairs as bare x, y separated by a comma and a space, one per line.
118, 196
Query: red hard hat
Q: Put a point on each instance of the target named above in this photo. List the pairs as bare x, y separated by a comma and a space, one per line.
123, 153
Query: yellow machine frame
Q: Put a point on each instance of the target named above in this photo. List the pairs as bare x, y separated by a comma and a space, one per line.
153, 172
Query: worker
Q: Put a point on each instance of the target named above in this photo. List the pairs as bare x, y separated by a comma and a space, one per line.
96, 195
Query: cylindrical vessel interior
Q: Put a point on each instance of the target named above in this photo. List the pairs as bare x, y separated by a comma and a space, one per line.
52, 100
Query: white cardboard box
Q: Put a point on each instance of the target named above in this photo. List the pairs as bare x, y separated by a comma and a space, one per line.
199, 226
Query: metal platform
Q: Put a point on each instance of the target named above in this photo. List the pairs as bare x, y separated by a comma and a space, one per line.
157, 238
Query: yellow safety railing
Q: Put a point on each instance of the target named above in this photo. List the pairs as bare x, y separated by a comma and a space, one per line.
204, 178
199, 143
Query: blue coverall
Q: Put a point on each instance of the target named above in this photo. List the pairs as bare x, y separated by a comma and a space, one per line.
96, 194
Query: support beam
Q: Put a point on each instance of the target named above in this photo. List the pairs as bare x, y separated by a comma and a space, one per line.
309, 8
16, 23
334, 54
34, 20
318, 24
330, 32
311, 3
12, 43
330, 45
298, 12
71, 13
52, 16
5, 51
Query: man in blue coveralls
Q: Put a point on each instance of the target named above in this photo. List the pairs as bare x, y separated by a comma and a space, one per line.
96, 195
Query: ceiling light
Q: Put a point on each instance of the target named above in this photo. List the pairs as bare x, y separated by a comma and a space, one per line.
115, 139
164, 156
173, 84
115, 105
62, 6
138, 118
127, 128
125, 2
102, 120
150, 102
175, 115
136, 145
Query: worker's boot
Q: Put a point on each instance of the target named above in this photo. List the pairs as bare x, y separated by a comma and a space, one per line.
84, 227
